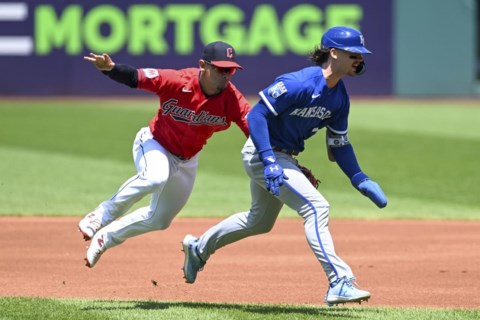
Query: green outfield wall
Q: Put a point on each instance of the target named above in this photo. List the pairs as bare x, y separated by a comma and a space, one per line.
435, 48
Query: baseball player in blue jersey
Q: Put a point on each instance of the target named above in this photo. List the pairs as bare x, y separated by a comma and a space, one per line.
292, 109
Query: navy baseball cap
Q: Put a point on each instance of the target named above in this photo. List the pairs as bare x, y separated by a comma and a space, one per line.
221, 55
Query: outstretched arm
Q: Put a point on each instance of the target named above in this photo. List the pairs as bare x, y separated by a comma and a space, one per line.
347, 161
120, 73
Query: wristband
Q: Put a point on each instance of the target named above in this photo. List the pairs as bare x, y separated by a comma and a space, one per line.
267, 157
359, 178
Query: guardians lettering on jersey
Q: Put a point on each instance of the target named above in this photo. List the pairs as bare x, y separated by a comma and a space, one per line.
312, 112
182, 114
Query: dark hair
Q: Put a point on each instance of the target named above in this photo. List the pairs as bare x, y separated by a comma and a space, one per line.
319, 55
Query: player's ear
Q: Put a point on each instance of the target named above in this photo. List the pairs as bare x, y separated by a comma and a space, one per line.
201, 65
334, 53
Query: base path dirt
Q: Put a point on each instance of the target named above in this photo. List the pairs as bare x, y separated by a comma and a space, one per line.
402, 263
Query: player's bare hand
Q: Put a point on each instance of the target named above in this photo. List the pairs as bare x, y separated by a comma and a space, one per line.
101, 62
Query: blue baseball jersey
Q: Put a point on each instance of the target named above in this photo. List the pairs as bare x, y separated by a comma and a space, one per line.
301, 104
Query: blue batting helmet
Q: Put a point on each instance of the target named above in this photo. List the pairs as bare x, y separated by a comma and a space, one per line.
344, 38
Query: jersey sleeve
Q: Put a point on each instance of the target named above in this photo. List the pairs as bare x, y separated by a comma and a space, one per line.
282, 94
339, 125
153, 79
150, 79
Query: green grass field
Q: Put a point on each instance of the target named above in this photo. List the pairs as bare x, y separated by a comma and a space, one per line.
63, 157
62, 309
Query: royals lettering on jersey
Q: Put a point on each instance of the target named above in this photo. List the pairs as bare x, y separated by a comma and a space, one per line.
312, 112
186, 119
302, 104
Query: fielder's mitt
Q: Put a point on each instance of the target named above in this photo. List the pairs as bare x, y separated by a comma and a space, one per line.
310, 176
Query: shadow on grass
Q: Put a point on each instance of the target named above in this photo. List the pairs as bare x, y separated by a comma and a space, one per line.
338, 312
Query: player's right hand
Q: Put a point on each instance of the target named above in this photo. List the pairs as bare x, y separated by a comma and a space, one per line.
102, 62
274, 177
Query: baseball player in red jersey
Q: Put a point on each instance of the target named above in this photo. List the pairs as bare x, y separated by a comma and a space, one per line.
194, 104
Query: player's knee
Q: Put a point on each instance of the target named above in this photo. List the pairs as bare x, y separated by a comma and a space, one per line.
162, 225
323, 206
322, 210
266, 229
318, 208
159, 223
259, 229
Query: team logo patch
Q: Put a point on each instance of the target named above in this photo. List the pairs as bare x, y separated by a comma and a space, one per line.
277, 90
150, 73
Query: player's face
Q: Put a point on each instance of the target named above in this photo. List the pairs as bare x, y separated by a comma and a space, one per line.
348, 61
217, 78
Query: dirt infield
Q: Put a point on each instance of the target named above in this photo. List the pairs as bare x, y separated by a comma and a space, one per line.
402, 263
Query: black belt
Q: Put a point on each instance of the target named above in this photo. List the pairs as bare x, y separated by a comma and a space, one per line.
289, 152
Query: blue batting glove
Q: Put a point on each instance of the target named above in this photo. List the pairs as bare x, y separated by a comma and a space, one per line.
274, 177
370, 188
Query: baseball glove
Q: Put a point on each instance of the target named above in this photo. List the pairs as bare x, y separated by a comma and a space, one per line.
310, 176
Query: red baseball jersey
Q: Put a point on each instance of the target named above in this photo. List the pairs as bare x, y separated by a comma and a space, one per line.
186, 118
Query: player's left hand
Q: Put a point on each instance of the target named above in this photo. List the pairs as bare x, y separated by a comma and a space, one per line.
370, 189
274, 177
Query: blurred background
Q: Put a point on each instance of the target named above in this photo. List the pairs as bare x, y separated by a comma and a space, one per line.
420, 48
66, 130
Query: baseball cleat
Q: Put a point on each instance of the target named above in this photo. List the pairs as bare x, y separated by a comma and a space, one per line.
193, 263
95, 250
91, 223
343, 291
